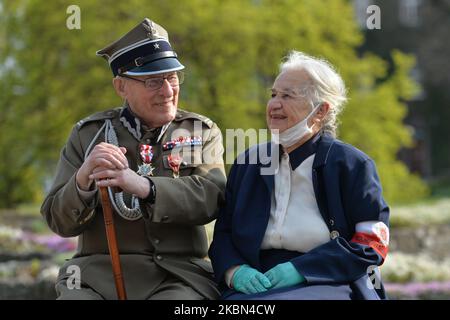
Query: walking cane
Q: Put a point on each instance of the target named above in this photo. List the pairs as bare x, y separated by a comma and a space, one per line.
112, 245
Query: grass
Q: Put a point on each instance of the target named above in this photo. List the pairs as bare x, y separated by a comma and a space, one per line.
28, 210
26, 217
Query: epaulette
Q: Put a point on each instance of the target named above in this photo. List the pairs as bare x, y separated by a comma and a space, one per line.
183, 114
102, 115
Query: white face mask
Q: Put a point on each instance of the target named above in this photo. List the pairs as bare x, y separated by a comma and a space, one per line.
294, 134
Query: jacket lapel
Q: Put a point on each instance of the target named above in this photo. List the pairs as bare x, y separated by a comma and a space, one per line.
320, 160
323, 150
266, 172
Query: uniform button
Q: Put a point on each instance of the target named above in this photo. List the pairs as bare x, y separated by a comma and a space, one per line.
334, 234
332, 222
159, 257
156, 241
165, 218
76, 212
147, 140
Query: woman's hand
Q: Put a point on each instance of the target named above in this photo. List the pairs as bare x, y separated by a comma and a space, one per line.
249, 280
284, 275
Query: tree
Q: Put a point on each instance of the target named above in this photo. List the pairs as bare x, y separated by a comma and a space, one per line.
231, 50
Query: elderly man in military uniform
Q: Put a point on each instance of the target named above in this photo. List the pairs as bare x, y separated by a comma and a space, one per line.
164, 172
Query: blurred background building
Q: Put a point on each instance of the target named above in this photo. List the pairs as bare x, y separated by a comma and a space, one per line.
419, 27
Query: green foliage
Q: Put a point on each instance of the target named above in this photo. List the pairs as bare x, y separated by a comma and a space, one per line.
373, 119
231, 49
425, 213
403, 267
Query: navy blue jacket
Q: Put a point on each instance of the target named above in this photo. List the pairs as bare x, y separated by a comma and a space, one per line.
348, 191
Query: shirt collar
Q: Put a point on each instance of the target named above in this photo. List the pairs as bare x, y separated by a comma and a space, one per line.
300, 154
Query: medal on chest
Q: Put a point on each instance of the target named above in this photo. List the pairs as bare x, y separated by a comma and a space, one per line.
146, 153
174, 164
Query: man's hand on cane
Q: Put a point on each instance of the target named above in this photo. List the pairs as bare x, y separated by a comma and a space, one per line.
108, 167
108, 162
104, 155
125, 179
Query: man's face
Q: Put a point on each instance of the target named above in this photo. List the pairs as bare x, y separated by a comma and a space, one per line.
286, 107
155, 107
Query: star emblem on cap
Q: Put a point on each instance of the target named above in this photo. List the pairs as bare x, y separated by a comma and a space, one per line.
156, 45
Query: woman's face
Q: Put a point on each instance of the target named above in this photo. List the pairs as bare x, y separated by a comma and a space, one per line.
286, 107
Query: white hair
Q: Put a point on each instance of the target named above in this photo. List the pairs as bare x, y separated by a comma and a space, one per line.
326, 85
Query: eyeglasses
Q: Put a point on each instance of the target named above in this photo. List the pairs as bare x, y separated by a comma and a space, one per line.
174, 79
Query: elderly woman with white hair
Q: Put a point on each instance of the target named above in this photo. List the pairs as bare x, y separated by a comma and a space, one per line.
317, 226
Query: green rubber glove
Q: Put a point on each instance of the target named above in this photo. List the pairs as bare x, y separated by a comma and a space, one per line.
284, 275
249, 280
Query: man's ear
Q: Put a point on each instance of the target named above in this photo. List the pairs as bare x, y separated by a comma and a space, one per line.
119, 85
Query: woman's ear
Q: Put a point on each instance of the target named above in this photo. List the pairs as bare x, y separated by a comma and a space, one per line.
119, 86
323, 111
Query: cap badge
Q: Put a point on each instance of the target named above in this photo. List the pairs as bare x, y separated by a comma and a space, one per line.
151, 30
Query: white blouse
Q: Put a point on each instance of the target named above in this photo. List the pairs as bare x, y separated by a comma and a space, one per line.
295, 221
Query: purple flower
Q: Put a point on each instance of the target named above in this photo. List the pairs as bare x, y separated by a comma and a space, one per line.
53, 242
416, 289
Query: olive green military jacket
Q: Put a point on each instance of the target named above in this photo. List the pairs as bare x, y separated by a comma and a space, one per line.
171, 237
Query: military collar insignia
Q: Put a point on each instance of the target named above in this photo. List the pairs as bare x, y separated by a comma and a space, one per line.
132, 123
138, 129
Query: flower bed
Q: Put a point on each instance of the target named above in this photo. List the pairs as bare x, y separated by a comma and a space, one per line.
401, 268
421, 214
418, 290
